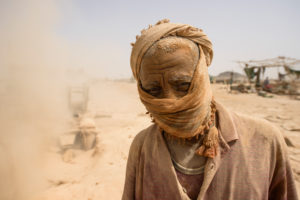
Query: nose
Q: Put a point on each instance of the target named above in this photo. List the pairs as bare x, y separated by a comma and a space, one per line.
168, 93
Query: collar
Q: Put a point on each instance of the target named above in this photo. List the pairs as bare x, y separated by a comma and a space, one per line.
227, 133
226, 126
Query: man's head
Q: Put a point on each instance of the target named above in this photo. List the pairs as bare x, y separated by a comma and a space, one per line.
168, 67
169, 62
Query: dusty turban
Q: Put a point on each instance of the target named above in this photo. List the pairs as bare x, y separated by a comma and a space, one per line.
182, 117
164, 29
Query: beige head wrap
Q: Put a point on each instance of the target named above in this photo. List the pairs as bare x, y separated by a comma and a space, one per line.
182, 117
164, 29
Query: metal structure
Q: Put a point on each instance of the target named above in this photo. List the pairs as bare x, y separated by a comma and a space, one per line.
261, 65
255, 68
78, 100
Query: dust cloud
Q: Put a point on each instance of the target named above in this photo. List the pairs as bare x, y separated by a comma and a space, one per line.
32, 93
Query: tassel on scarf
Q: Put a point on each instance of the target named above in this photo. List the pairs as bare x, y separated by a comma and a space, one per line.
210, 144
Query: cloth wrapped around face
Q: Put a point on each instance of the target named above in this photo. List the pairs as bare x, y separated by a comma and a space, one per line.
188, 116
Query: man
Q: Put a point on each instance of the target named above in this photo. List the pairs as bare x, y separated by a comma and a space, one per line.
266, 85
196, 149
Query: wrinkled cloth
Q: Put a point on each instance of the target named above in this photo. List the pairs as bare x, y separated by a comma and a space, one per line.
187, 116
161, 30
252, 163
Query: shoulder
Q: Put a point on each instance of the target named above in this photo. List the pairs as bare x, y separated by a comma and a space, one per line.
140, 138
255, 124
248, 129
257, 129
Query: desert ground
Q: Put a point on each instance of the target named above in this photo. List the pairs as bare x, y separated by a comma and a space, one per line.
119, 115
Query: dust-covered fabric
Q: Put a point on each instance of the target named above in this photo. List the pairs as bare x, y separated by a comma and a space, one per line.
252, 163
164, 29
187, 116
184, 117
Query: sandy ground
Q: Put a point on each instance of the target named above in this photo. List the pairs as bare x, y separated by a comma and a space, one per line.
119, 116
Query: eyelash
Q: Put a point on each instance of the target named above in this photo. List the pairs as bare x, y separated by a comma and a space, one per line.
185, 84
156, 90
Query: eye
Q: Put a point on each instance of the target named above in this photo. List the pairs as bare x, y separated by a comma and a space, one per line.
183, 86
154, 91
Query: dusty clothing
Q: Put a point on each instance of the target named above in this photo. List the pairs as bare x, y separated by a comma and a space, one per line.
252, 163
190, 183
187, 116
165, 29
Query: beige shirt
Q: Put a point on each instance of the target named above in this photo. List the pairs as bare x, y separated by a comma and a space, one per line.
251, 163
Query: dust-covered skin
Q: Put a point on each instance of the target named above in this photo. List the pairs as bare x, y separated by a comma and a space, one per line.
168, 75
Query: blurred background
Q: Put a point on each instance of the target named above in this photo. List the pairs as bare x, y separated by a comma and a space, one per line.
69, 108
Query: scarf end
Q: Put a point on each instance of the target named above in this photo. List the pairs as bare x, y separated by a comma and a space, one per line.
210, 144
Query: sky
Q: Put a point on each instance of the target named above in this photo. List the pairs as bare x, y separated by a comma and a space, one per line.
96, 34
